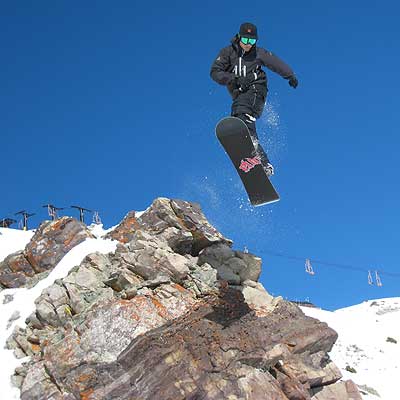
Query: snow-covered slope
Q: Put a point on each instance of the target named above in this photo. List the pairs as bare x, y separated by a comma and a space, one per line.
12, 240
368, 348
15, 312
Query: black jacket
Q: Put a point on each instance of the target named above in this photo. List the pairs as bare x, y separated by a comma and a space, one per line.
234, 61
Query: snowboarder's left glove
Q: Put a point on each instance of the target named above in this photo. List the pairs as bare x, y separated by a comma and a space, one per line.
244, 82
293, 82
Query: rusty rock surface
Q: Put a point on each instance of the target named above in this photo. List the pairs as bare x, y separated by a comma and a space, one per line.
50, 243
174, 314
53, 240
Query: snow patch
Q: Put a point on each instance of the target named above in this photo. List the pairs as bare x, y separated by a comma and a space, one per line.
13, 240
366, 350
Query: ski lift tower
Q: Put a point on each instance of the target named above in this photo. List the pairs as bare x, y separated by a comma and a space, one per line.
25, 217
52, 210
7, 222
81, 212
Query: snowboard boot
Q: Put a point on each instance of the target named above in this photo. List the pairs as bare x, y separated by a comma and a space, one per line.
269, 169
260, 153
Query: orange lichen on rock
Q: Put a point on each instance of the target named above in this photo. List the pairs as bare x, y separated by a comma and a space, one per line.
85, 377
86, 395
127, 227
35, 348
179, 287
161, 309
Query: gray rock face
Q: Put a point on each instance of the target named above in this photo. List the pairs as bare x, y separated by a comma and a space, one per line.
182, 225
174, 313
150, 257
232, 266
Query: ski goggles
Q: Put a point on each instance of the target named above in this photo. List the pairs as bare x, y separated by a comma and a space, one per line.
246, 40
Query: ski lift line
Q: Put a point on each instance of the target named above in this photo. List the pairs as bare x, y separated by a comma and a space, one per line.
330, 264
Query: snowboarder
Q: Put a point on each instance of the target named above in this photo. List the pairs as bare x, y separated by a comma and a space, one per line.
239, 67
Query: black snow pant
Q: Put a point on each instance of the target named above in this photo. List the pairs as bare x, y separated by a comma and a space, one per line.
248, 106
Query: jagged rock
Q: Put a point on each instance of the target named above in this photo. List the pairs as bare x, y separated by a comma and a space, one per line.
19, 342
38, 384
77, 297
204, 352
150, 257
12, 279
47, 247
160, 280
98, 261
20, 374
202, 280
129, 293
316, 370
56, 295
291, 386
179, 240
174, 313
341, 390
17, 263
34, 322
232, 266
86, 278
252, 271
106, 331
179, 223
125, 230
120, 281
255, 294
52, 240
192, 218
47, 313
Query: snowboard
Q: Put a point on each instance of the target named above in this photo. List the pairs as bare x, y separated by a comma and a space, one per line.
234, 137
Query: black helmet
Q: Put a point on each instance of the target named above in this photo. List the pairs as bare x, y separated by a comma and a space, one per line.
249, 30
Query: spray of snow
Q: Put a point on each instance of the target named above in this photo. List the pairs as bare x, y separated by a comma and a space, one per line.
15, 312
272, 132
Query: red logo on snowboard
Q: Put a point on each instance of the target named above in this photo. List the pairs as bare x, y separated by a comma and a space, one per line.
249, 163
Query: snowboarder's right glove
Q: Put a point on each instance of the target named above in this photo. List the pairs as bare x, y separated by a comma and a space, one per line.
233, 86
244, 82
233, 83
293, 82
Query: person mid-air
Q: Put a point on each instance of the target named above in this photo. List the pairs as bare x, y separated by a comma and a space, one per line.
239, 67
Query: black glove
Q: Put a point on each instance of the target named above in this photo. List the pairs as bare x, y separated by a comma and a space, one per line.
244, 82
233, 86
293, 82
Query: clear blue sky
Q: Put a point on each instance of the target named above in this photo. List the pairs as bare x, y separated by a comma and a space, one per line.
110, 105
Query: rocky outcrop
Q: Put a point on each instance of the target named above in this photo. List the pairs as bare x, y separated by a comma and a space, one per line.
173, 313
182, 225
51, 242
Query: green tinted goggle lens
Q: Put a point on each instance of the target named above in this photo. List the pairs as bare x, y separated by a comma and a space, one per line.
246, 40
